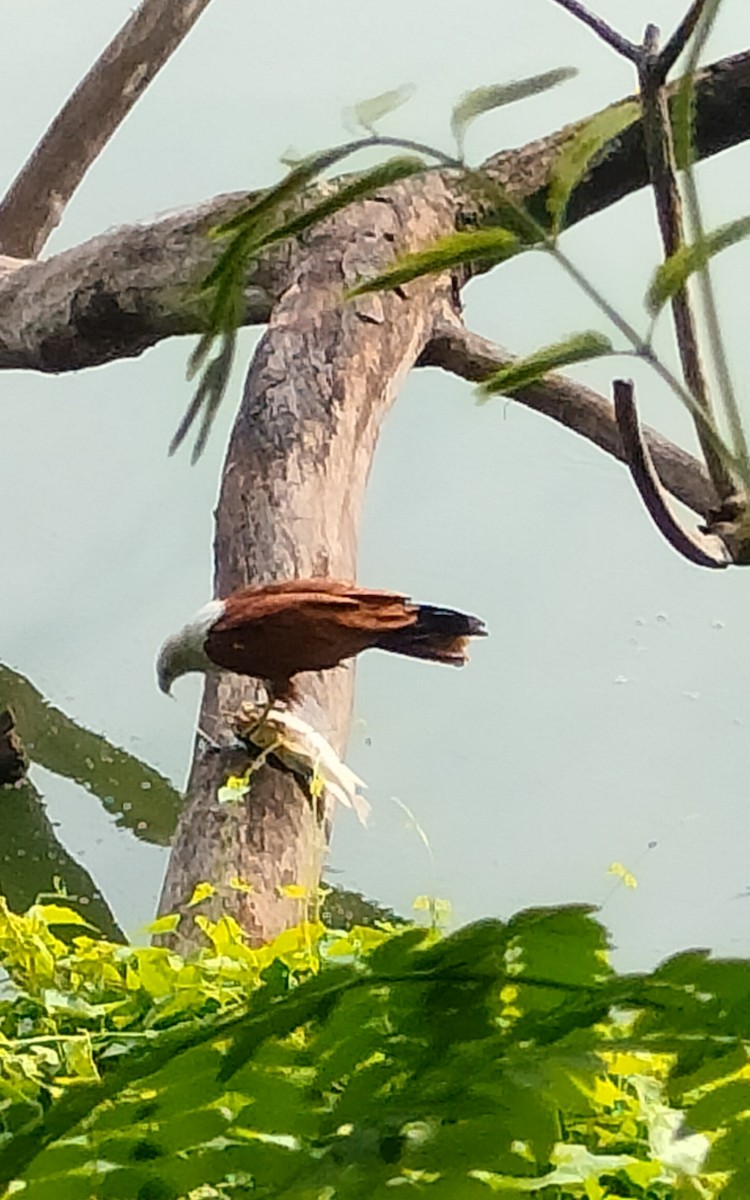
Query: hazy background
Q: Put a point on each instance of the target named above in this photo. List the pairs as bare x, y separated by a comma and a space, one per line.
607, 716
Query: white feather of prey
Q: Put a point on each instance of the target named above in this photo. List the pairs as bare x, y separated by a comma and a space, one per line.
301, 748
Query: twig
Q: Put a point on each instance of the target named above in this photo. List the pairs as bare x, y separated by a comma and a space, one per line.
657, 136
609, 35
705, 550
37, 198
679, 39
716, 341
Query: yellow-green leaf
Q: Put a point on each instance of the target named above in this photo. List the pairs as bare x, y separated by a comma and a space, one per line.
578, 153
456, 249
622, 873
522, 372
367, 112
79, 1059
166, 924
673, 274
483, 99
289, 186
58, 914
202, 891
240, 885
383, 175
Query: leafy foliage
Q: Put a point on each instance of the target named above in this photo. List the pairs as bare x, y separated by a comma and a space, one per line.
579, 348
672, 275
368, 112
484, 99
507, 1056
585, 147
457, 249
261, 224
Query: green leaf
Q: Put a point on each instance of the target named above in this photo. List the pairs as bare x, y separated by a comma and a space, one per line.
673, 274
490, 245
289, 186
367, 112
682, 114
383, 175
579, 348
580, 151
721, 1105
58, 914
201, 891
483, 99
165, 924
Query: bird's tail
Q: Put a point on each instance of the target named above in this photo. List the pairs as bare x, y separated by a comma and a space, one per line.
438, 634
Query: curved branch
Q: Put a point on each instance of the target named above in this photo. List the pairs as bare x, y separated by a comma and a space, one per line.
705, 550
37, 198
456, 349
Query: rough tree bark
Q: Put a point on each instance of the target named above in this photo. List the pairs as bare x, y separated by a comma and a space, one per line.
321, 382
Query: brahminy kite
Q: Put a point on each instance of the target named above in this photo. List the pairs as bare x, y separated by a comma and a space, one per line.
275, 631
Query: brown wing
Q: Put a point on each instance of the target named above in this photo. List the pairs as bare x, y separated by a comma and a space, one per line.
275, 631
261, 600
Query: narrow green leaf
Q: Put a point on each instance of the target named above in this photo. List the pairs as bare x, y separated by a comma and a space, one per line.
292, 183
579, 348
367, 112
483, 99
383, 175
452, 251
673, 274
578, 153
682, 113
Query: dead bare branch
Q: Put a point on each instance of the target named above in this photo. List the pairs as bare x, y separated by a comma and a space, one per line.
37, 198
607, 34
703, 549
118, 294
679, 39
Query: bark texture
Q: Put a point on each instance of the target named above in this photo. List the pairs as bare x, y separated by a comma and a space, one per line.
118, 294
322, 379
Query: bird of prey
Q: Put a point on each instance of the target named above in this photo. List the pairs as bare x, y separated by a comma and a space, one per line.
274, 631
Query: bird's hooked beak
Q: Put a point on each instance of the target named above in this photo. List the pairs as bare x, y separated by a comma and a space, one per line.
165, 675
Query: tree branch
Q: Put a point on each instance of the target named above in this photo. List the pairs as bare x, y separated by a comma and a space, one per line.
703, 549
37, 198
137, 796
120, 293
679, 39
722, 119
604, 31
455, 349
323, 377
115, 296
659, 146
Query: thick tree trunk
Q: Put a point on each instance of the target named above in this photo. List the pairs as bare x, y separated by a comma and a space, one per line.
321, 382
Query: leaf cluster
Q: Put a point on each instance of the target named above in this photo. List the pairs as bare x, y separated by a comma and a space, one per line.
506, 1056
